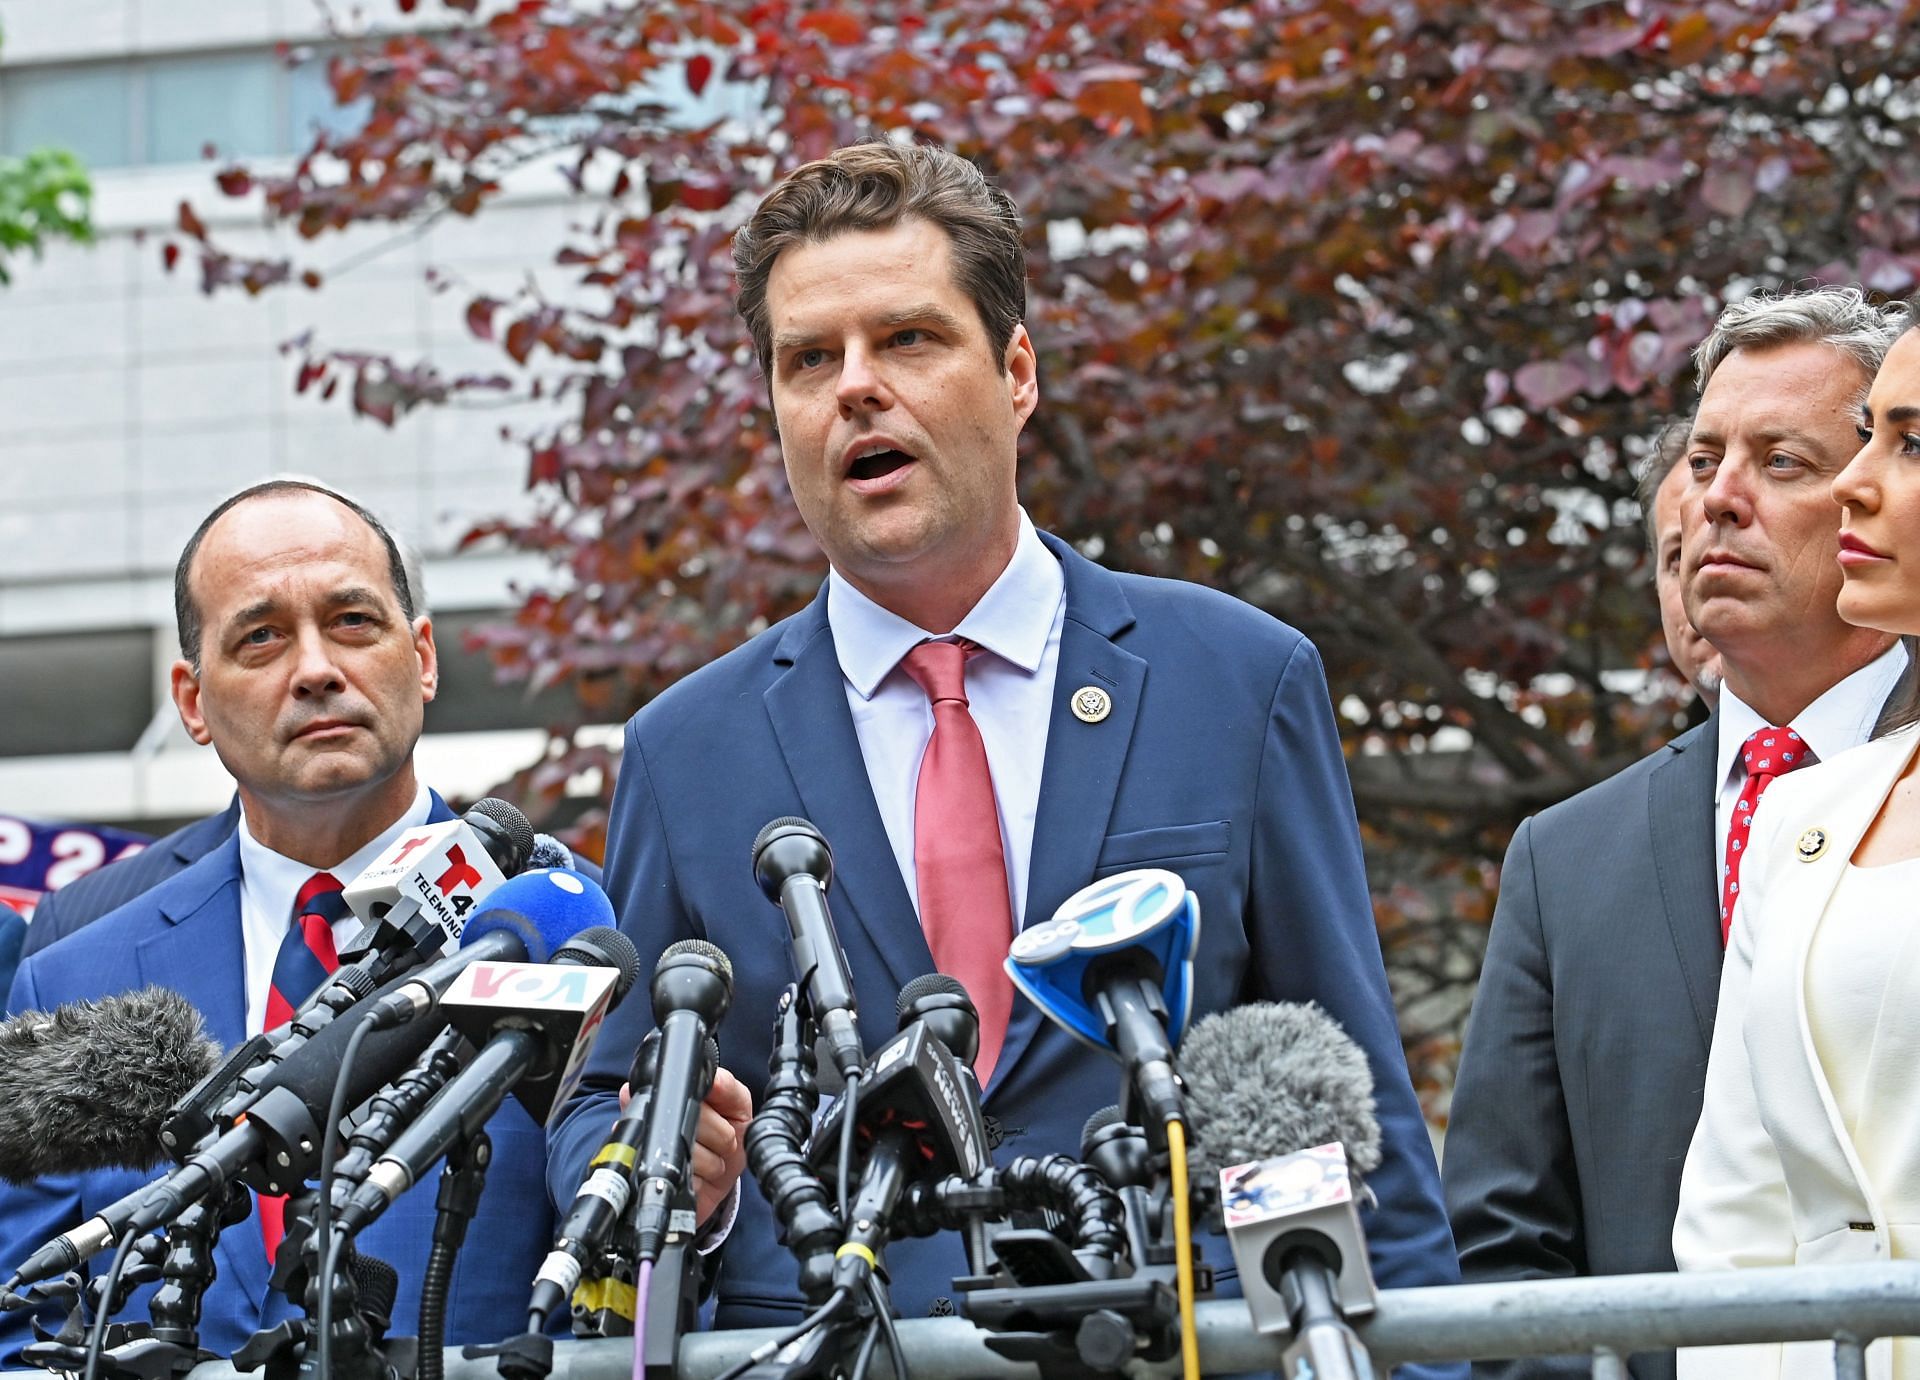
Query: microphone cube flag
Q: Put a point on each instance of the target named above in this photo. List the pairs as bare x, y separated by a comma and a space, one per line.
1149, 909
1276, 1207
441, 869
564, 1002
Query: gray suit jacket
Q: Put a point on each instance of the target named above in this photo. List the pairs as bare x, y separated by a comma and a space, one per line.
1586, 1054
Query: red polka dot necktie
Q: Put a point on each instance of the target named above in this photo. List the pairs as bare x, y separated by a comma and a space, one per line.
305, 960
959, 863
1767, 753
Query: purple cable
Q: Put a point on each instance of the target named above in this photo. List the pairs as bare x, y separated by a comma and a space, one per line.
640, 1285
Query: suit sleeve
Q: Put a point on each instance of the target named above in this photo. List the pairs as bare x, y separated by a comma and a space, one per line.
1513, 1189
1312, 928
31, 1213
1734, 1212
640, 880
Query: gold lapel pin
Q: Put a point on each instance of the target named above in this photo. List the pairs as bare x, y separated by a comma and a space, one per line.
1812, 844
1091, 704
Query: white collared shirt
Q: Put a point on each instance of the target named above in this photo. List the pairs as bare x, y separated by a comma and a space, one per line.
1009, 692
269, 884
1842, 718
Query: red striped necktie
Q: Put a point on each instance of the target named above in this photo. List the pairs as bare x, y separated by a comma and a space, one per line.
959, 864
305, 960
307, 955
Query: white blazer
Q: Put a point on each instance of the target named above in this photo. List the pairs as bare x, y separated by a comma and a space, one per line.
1772, 1177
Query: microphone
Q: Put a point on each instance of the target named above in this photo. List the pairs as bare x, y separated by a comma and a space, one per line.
1114, 968
416, 897
523, 921
606, 1191
1280, 1101
921, 1121
548, 851
534, 1025
692, 989
87, 1085
272, 1138
794, 866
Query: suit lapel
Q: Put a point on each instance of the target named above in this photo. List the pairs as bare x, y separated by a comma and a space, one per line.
198, 952
1681, 792
1080, 777
808, 707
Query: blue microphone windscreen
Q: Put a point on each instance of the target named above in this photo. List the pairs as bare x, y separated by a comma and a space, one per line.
546, 907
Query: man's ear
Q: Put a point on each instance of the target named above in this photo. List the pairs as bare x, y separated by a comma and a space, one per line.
429, 658
1023, 375
185, 685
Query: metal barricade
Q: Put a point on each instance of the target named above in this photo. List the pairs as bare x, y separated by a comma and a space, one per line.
1607, 1318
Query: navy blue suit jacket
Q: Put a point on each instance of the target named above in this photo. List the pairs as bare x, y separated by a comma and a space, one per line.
81, 902
1219, 760
185, 934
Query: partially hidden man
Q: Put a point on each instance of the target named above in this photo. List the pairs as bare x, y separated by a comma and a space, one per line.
922, 712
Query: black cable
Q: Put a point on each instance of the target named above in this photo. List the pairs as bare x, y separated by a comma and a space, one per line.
323, 1325
800, 1329
330, 1136
326, 1248
883, 1315
96, 1339
868, 1345
846, 1141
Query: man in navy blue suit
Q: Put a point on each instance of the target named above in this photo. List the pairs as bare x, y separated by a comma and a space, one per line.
306, 667
1123, 722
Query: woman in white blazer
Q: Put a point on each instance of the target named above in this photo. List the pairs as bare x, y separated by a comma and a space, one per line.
1808, 1148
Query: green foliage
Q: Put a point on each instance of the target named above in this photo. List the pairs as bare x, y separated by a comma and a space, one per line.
44, 194
1363, 311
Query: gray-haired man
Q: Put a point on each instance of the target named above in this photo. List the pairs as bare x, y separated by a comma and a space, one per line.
1580, 1083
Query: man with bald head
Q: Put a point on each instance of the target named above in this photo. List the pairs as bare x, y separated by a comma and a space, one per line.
306, 667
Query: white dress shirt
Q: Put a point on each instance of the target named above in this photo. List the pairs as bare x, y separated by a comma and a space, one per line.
1009, 692
1842, 718
269, 884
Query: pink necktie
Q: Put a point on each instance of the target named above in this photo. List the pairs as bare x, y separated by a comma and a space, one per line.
957, 856
1767, 753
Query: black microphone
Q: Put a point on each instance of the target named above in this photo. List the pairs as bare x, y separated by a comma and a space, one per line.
273, 1138
920, 1113
692, 988
1280, 1102
604, 1193
548, 851
87, 1085
535, 1023
794, 867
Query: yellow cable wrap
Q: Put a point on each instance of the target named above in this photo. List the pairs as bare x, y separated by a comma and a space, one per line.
1183, 1250
616, 1296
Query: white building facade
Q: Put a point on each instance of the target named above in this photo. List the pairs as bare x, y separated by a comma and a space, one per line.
131, 403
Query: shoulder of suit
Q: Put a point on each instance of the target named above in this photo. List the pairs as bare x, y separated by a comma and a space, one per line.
1794, 801
711, 689
1626, 786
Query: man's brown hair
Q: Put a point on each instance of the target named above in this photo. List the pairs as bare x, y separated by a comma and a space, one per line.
874, 186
